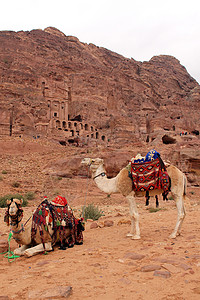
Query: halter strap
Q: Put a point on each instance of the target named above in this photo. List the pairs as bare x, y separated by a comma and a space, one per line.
16, 232
101, 174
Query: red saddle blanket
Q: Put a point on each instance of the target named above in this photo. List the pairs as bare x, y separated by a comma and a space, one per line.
149, 176
61, 219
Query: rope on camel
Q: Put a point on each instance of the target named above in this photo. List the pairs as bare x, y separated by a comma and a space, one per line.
9, 254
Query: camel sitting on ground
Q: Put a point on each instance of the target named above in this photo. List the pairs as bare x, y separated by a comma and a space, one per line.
123, 183
40, 238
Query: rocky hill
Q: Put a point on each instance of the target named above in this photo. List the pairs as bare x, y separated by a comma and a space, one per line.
109, 101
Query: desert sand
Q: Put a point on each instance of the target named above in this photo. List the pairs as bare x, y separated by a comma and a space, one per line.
108, 265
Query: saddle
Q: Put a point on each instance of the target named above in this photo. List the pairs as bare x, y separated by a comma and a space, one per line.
150, 174
57, 214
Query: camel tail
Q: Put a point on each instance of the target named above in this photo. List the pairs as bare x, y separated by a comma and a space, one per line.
186, 200
185, 186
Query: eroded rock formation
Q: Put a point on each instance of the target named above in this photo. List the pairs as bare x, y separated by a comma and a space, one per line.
55, 86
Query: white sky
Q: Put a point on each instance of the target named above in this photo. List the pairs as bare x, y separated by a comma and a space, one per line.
138, 29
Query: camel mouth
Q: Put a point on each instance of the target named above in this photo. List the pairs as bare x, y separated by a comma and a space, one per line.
12, 213
86, 161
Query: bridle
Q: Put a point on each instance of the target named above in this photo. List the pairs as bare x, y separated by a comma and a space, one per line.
15, 219
101, 174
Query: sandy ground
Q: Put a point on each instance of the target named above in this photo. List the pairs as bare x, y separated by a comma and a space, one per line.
109, 265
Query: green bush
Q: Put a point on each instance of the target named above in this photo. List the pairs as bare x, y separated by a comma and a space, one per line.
29, 196
3, 199
4, 172
91, 212
152, 209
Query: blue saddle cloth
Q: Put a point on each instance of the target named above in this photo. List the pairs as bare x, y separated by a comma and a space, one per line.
151, 155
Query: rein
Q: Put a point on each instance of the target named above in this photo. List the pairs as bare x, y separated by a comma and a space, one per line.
16, 232
22, 226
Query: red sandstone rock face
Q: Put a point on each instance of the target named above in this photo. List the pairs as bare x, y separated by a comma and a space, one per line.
120, 100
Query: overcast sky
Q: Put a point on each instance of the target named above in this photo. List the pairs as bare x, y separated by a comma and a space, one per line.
139, 29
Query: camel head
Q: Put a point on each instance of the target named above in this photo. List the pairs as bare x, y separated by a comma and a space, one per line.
14, 205
14, 210
92, 163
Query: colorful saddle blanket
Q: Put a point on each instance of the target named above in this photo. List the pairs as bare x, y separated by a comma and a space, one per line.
59, 201
149, 175
61, 219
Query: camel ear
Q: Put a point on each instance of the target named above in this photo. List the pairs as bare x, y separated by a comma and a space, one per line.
18, 201
8, 202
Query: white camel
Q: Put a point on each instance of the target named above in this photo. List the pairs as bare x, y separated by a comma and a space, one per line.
22, 232
122, 183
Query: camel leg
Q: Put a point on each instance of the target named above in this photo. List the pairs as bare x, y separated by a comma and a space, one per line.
157, 202
37, 249
134, 218
180, 217
20, 251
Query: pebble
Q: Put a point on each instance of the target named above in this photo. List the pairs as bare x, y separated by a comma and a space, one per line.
42, 263
150, 268
184, 267
124, 281
124, 221
168, 248
121, 261
119, 214
163, 274
171, 268
56, 292
108, 223
94, 225
134, 256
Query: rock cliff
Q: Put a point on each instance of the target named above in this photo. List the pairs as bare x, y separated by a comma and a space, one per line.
55, 86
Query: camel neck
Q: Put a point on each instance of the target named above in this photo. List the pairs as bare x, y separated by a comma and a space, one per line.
100, 172
105, 184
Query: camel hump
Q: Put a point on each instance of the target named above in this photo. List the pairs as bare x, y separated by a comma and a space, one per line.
178, 180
